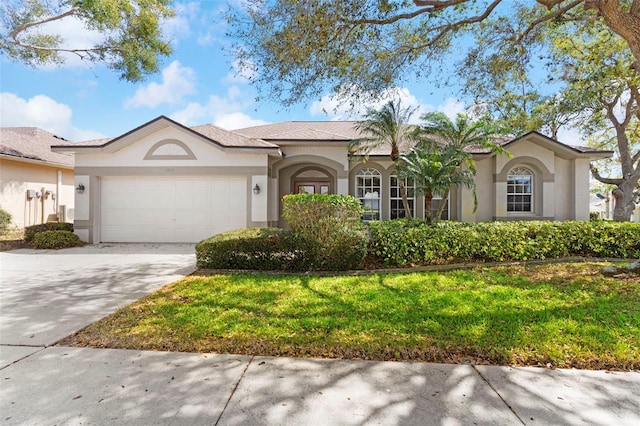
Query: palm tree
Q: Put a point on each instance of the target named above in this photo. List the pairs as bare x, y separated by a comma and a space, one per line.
458, 136
464, 132
387, 127
434, 170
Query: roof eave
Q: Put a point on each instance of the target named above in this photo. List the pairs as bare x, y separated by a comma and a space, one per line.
36, 161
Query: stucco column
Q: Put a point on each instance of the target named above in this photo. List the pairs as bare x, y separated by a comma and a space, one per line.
260, 201
501, 199
581, 189
466, 206
343, 186
548, 199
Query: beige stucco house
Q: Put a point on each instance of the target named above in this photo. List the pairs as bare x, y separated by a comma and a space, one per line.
36, 184
164, 182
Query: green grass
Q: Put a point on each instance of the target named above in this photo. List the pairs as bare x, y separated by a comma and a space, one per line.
564, 315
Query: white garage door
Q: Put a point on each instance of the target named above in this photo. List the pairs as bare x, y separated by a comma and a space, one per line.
177, 209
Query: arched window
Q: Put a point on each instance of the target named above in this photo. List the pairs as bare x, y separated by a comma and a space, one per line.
520, 190
368, 189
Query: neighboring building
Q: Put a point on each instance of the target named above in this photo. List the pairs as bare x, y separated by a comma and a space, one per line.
164, 182
36, 184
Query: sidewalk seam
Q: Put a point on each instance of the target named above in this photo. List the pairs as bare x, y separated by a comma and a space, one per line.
24, 357
234, 390
498, 393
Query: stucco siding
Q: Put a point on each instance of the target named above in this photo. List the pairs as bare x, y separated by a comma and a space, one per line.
16, 177
141, 154
335, 153
564, 200
485, 190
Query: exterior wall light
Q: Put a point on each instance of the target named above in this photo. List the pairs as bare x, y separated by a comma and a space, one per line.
256, 189
80, 188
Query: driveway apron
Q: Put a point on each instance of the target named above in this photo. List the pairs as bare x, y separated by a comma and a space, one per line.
45, 295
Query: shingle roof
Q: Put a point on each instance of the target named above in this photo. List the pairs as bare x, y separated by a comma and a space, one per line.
32, 143
230, 138
304, 130
222, 137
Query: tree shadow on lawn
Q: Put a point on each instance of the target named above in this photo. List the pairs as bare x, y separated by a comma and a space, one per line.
395, 317
488, 326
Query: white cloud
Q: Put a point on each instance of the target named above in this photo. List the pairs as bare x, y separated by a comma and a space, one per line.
571, 136
177, 82
226, 112
451, 107
43, 112
237, 120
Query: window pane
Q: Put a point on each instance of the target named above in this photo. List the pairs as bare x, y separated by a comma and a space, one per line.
519, 190
368, 191
396, 206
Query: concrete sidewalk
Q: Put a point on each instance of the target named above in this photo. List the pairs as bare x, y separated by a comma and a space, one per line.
73, 386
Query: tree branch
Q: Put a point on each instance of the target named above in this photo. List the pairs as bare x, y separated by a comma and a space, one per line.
426, 6
547, 17
21, 28
598, 177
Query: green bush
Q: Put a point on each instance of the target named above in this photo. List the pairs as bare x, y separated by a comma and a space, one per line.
402, 242
5, 221
56, 240
252, 248
329, 229
31, 231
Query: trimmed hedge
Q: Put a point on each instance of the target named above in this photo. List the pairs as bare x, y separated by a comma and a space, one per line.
413, 242
31, 231
56, 240
252, 248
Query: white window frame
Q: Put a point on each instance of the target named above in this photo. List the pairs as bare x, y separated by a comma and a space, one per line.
516, 174
411, 198
368, 193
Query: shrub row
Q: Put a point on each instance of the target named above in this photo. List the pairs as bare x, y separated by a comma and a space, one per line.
31, 231
251, 248
326, 234
402, 242
56, 240
275, 249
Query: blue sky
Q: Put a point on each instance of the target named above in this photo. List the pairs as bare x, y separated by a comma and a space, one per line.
197, 84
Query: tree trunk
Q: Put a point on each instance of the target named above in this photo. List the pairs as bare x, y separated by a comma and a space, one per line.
443, 203
405, 201
427, 207
624, 200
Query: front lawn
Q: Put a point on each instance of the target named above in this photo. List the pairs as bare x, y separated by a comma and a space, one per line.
564, 315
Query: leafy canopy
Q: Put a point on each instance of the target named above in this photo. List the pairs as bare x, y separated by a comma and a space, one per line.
296, 50
131, 42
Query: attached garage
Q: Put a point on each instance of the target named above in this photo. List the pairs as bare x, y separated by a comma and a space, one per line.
176, 209
166, 183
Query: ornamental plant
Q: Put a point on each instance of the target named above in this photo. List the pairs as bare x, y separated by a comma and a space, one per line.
328, 228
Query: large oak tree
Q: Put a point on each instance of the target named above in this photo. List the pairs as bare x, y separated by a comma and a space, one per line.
296, 49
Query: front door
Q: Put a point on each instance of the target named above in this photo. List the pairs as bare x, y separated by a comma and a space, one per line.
313, 188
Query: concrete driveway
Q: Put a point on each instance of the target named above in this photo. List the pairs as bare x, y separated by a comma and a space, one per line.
46, 295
